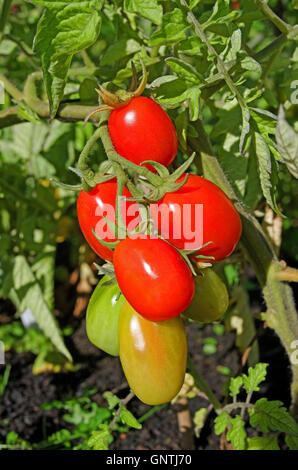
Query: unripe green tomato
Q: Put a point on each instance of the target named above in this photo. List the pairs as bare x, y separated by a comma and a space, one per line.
153, 355
211, 298
103, 315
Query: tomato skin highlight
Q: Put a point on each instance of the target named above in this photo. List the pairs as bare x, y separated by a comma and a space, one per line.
141, 131
153, 355
102, 317
221, 221
153, 277
211, 298
90, 206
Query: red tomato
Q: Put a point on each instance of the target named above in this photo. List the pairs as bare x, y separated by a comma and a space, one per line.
220, 222
93, 205
235, 5
141, 131
153, 277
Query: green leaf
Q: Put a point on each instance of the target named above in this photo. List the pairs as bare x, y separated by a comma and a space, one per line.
292, 442
250, 64
245, 127
262, 152
272, 416
191, 46
112, 399
120, 49
255, 376
29, 294
199, 420
287, 143
262, 443
66, 27
235, 385
221, 13
184, 70
194, 94
147, 8
221, 422
128, 418
172, 30
99, 440
236, 433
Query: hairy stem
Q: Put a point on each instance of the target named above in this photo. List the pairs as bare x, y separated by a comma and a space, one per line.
276, 20
4, 15
281, 313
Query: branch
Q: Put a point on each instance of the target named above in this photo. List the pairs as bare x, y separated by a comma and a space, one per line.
281, 314
4, 15
283, 27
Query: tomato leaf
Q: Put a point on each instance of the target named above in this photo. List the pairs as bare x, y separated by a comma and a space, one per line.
287, 143
236, 433
29, 294
262, 443
221, 422
147, 8
66, 27
172, 30
272, 416
128, 418
255, 376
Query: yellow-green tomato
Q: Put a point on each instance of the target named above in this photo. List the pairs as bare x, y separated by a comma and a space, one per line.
211, 298
103, 315
153, 355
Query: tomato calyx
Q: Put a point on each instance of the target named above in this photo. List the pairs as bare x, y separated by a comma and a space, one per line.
121, 97
107, 269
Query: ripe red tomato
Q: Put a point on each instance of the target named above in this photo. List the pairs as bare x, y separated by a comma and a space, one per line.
220, 224
141, 131
153, 355
153, 277
235, 5
92, 206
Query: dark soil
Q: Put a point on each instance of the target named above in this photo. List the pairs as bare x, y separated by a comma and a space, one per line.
20, 406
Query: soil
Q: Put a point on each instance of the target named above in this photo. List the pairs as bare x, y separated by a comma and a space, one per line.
20, 405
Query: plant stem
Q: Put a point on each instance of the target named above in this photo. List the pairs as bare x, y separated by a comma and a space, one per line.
124, 402
220, 63
152, 410
4, 15
11, 89
287, 274
202, 385
232, 406
279, 23
281, 312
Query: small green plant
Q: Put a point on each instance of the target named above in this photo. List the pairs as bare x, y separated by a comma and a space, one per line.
268, 417
14, 336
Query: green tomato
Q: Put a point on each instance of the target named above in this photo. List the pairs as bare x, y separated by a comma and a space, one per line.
211, 298
103, 315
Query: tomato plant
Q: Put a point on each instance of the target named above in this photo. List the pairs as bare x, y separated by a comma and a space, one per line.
210, 300
204, 89
153, 277
102, 316
153, 355
142, 130
221, 224
92, 207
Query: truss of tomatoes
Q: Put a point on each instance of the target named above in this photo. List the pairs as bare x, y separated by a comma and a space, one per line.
139, 318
